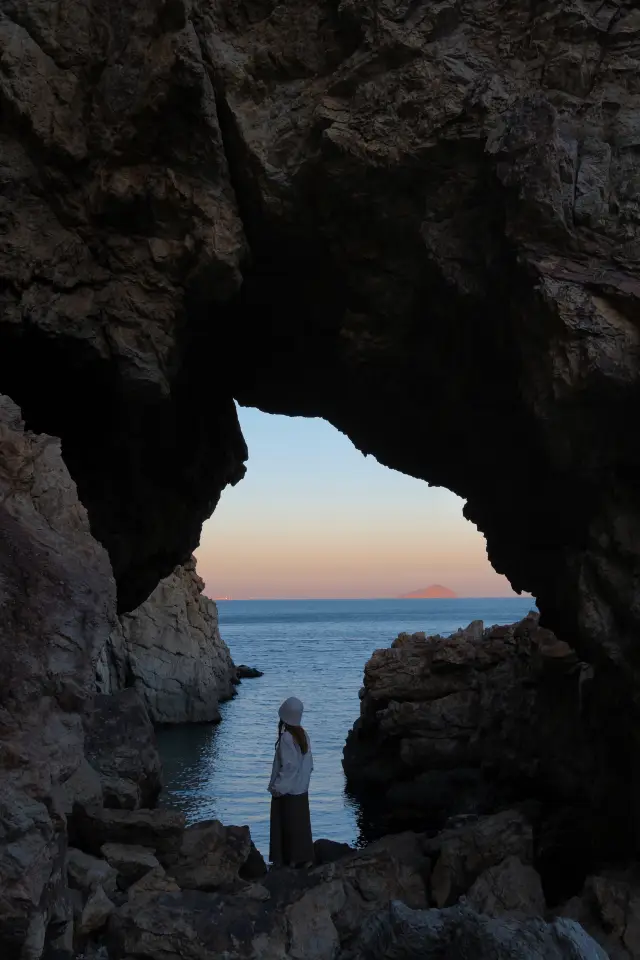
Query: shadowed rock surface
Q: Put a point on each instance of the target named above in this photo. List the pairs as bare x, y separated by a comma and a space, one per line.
57, 607
458, 933
471, 723
419, 222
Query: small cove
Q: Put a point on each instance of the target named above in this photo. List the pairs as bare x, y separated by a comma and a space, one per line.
316, 650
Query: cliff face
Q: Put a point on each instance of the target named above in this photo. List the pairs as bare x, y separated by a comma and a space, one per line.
418, 221
57, 607
63, 749
170, 650
118, 226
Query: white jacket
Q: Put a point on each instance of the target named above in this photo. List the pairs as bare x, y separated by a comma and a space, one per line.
292, 768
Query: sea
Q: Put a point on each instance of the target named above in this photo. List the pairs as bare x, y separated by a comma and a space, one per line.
315, 650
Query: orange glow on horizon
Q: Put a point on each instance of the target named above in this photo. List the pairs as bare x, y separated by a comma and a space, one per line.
314, 518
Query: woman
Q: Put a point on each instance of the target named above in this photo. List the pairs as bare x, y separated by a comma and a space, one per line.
291, 843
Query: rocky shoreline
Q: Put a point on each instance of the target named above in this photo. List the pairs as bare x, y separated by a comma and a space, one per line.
145, 887
473, 735
91, 867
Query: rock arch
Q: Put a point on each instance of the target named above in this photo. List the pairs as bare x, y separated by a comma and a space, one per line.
419, 221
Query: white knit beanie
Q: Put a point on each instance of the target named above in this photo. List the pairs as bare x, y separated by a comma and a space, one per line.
291, 711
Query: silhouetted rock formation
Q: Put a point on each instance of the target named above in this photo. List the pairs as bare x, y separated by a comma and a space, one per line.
441, 193
418, 221
468, 723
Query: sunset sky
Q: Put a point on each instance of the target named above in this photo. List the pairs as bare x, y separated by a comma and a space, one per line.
315, 518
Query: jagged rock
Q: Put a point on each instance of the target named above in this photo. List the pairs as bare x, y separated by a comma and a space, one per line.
160, 829
31, 854
328, 851
609, 909
86, 872
119, 794
210, 857
457, 933
511, 888
476, 722
306, 914
247, 673
57, 603
170, 648
465, 852
130, 861
445, 154
96, 912
120, 743
83, 787
149, 886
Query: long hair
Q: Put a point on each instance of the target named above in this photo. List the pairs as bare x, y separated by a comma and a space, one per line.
297, 733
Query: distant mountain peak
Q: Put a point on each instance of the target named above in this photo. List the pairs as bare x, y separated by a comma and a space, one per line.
434, 592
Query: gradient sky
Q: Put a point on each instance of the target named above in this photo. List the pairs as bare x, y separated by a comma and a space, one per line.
313, 517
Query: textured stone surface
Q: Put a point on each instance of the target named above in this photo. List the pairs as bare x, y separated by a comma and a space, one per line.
112, 232
210, 857
294, 913
457, 933
86, 872
609, 909
511, 888
465, 852
130, 861
121, 745
57, 603
97, 911
468, 282
159, 829
483, 719
171, 650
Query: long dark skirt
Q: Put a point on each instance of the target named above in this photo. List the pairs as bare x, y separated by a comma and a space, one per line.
290, 843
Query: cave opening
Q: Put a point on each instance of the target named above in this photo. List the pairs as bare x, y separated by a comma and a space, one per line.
300, 557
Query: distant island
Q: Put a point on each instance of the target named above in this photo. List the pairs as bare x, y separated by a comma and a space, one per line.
435, 592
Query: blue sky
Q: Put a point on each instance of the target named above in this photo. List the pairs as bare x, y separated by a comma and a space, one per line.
315, 518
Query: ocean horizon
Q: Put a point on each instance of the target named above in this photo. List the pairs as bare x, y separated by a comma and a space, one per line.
514, 596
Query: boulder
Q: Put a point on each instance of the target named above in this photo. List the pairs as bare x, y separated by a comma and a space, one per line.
609, 909
130, 861
31, 873
119, 793
171, 650
509, 889
86, 873
465, 852
84, 787
304, 915
243, 672
120, 743
160, 829
150, 886
210, 857
458, 933
97, 911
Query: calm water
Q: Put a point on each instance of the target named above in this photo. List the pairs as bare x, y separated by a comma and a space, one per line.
315, 650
